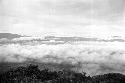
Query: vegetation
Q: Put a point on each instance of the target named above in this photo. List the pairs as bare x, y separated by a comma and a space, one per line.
32, 74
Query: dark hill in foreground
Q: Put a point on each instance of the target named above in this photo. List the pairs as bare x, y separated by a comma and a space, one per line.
32, 74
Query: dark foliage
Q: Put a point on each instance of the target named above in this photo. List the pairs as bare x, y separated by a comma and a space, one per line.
32, 74
109, 78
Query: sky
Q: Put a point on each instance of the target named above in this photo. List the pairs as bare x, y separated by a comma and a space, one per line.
98, 18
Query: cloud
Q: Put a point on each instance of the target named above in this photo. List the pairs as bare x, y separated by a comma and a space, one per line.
81, 52
93, 58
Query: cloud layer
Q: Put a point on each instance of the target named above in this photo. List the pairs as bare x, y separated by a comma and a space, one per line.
93, 58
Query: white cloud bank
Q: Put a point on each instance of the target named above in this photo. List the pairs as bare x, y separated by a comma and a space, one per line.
93, 58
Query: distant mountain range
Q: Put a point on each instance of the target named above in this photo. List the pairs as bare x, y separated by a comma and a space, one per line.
112, 39
9, 35
16, 38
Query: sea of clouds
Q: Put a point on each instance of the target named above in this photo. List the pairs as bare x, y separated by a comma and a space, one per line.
92, 57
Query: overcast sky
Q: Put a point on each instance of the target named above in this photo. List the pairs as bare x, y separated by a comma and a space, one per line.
63, 17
